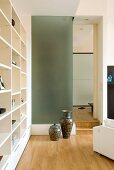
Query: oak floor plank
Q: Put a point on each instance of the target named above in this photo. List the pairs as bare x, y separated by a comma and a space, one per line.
66, 154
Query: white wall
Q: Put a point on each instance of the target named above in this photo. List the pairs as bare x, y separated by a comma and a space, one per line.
82, 38
92, 8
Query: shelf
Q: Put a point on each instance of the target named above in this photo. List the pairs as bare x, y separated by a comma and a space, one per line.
15, 108
23, 34
5, 101
23, 49
23, 73
16, 20
15, 138
3, 161
24, 88
3, 115
23, 103
16, 59
5, 6
5, 91
5, 55
16, 51
15, 144
5, 28
23, 81
23, 66
15, 80
23, 110
16, 101
23, 58
13, 72
23, 117
5, 151
5, 129
16, 32
15, 93
15, 126
2, 66
4, 41
3, 138
17, 67
23, 96
23, 127
6, 77
15, 41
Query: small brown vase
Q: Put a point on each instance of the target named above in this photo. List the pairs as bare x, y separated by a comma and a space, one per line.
54, 132
66, 123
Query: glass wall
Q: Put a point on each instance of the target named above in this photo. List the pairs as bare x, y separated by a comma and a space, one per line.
82, 79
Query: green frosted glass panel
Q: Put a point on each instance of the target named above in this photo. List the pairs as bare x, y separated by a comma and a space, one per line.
52, 68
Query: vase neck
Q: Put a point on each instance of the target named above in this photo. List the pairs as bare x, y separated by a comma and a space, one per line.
67, 114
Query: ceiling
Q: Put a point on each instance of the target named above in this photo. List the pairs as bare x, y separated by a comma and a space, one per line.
46, 7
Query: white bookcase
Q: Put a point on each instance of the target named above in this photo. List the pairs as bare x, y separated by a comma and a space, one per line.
14, 129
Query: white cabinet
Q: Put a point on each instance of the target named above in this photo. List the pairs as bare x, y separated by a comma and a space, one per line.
14, 132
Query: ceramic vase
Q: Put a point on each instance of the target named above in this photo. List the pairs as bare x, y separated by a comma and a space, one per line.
54, 132
66, 123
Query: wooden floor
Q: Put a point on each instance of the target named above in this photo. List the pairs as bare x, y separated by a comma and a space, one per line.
84, 120
69, 154
83, 114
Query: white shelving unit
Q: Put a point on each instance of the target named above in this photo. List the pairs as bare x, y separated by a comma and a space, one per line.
14, 130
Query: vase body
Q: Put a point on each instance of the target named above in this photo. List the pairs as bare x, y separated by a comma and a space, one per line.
54, 132
66, 123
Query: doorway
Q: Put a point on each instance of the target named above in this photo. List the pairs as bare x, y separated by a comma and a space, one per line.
85, 72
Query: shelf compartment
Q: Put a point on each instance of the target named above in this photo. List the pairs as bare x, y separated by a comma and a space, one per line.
15, 41
5, 28
5, 102
5, 6
15, 80
6, 77
2, 66
15, 138
16, 93
23, 34
23, 81
23, 65
23, 96
5, 129
23, 127
5, 54
16, 20
15, 101
2, 116
5, 151
23, 49
15, 119
23, 111
15, 58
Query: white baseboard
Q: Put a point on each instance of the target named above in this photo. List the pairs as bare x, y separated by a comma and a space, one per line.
42, 129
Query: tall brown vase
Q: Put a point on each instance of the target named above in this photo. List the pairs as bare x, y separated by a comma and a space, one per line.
66, 123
